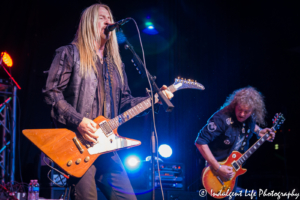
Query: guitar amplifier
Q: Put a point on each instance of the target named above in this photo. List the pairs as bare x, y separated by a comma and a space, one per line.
172, 176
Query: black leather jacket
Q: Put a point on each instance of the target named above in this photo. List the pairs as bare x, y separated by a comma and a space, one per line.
71, 96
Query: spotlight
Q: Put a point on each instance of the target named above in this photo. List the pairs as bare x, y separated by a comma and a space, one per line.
132, 162
6, 59
148, 24
165, 150
150, 29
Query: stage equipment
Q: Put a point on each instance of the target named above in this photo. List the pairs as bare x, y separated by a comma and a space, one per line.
6, 59
172, 176
8, 120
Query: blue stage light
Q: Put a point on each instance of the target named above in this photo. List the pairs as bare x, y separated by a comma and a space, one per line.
165, 150
132, 162
121, 38
150, 29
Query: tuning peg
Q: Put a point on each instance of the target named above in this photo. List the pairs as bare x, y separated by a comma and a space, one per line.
132, 60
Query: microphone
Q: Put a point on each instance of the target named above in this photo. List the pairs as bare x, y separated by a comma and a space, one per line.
113, 26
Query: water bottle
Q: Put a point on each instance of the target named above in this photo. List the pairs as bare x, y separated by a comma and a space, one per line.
36, 190
30, 186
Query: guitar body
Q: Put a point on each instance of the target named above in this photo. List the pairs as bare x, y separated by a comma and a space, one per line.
216, 186
59, 146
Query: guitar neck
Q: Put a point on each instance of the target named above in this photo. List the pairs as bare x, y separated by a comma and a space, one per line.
253, 148
134, 111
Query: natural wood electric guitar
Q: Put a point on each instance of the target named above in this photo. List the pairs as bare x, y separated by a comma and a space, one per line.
75, 155
219, 188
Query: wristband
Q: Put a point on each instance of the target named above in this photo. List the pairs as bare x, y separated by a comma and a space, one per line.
219, 168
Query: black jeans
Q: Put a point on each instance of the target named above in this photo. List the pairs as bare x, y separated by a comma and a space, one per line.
109, 175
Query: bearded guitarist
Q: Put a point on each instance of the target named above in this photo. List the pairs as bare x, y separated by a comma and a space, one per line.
230, 129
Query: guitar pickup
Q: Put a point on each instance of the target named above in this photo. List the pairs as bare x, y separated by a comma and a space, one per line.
105, 128
81, 150
235, 166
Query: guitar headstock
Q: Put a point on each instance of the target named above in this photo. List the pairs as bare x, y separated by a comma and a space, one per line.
278, 120
181, 83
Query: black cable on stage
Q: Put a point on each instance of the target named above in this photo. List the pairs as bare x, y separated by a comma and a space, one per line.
52, 168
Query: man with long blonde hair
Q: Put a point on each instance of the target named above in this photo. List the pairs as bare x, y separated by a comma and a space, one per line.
231, 128
87, 79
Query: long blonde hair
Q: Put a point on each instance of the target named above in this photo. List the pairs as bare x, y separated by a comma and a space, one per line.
86, 37
248, 96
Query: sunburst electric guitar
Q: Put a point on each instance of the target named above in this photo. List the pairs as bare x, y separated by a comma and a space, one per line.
75, 155
219, 188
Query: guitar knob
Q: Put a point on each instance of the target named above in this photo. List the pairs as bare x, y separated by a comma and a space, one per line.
69, 163
87, 159
78, 161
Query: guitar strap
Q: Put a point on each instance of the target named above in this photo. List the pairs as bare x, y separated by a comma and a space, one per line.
242, 138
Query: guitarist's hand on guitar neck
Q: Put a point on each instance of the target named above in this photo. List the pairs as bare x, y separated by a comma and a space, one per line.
87, 129
267, 130
166, 92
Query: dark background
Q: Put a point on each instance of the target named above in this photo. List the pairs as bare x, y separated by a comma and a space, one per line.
225, 45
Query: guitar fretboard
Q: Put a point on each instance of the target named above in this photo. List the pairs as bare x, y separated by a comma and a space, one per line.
253, 148
134, 111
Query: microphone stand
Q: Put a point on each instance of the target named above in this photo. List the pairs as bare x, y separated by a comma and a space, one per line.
168, 106
153, 165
